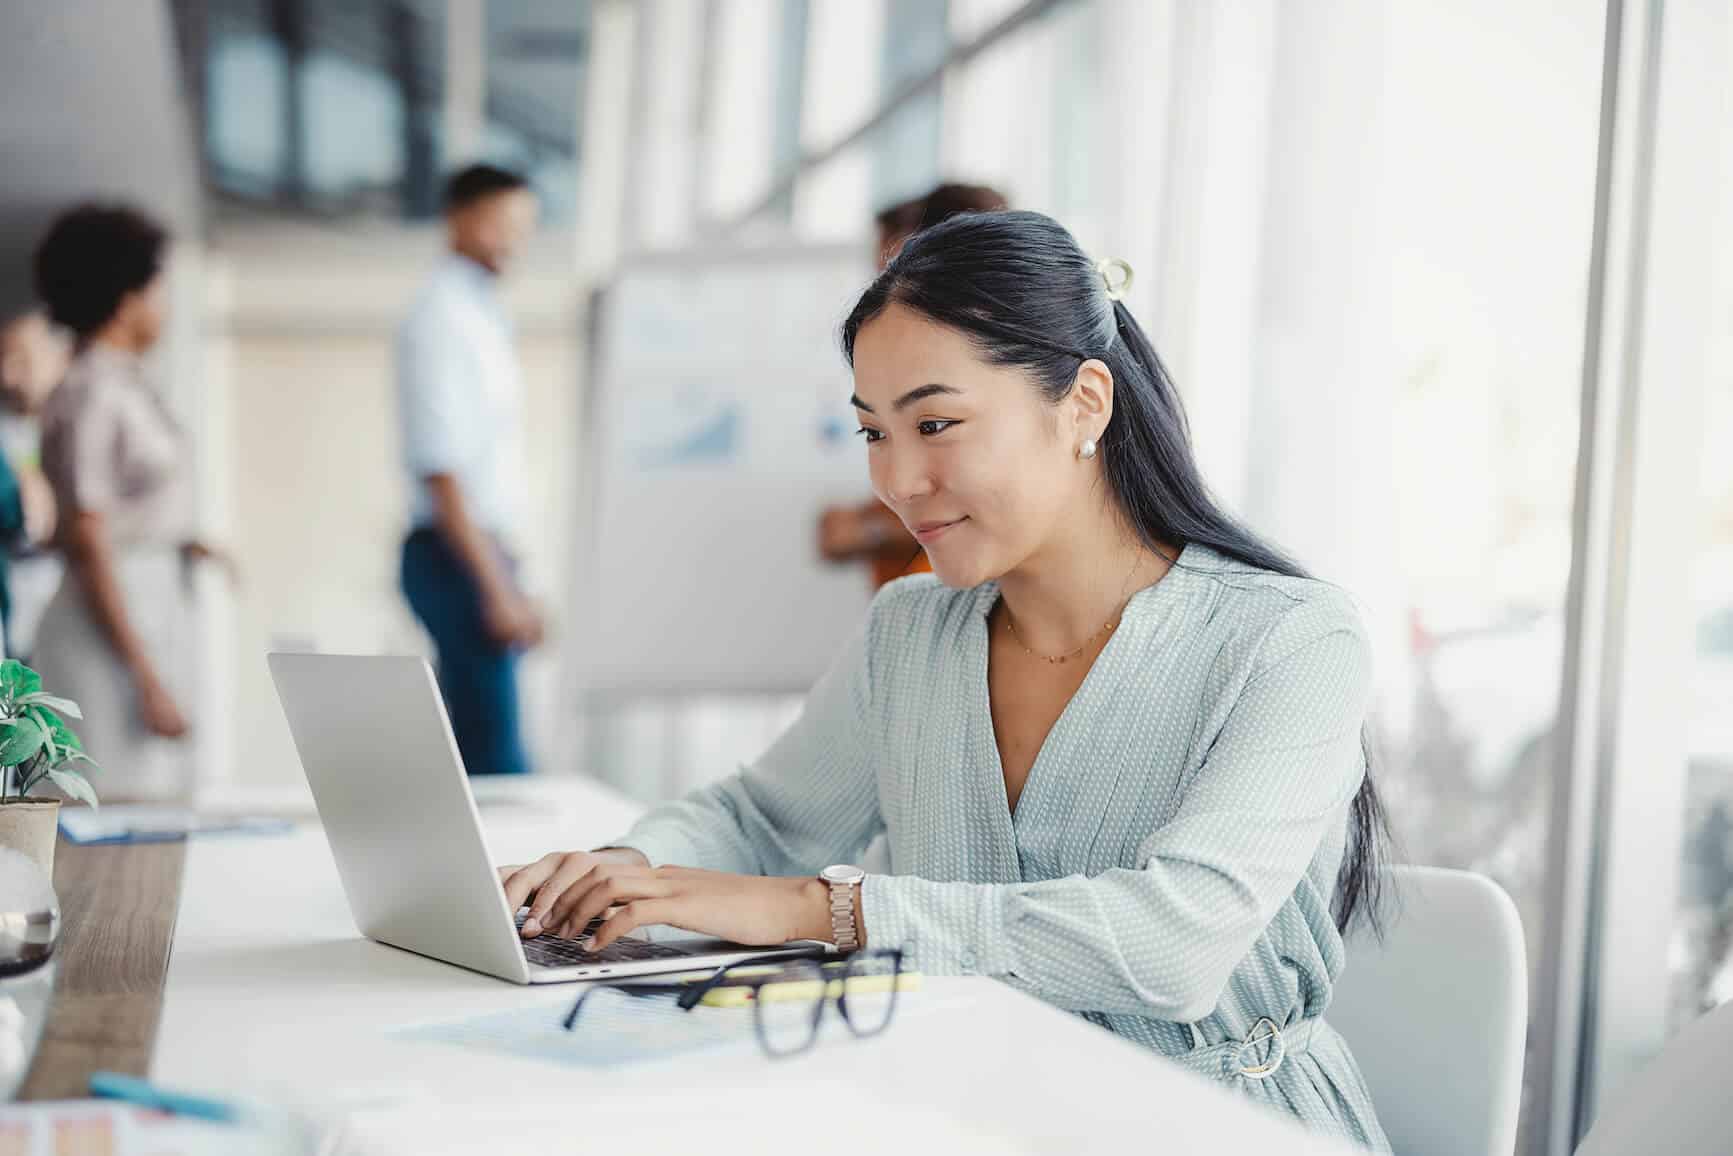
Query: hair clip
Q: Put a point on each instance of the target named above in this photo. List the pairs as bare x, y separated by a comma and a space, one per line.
1116, 274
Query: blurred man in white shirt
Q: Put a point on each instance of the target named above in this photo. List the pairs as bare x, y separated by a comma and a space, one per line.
460, 414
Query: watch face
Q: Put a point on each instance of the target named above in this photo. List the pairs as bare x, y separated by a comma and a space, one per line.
842, 873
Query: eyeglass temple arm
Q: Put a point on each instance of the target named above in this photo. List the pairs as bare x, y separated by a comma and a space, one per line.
692, 994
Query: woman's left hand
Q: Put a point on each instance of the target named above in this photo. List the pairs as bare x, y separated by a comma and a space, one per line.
751, 909
195, 552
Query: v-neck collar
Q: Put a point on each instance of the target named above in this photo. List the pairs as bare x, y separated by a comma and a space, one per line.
1147, 612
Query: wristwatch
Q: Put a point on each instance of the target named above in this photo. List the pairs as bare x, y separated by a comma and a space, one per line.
843, 879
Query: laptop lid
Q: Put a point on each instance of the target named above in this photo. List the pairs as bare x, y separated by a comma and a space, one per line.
393, 796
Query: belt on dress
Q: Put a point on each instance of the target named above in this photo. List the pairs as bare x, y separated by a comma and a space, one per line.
1257, 1057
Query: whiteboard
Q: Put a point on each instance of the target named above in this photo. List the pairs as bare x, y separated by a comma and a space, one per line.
717, 427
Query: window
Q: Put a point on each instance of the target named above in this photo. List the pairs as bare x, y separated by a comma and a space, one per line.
536, 51
338, 108
1700, 956
906, 146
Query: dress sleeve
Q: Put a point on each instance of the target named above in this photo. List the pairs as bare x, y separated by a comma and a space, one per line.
1162, 939
81, 454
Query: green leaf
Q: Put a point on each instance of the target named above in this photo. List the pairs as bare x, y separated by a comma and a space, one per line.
50, 753
74, 785
17, 680
64, 706
55, 728
69, 757
23, 741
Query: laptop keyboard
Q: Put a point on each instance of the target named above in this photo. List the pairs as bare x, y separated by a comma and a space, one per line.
548, 951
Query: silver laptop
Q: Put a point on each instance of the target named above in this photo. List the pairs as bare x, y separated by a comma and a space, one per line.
391, 790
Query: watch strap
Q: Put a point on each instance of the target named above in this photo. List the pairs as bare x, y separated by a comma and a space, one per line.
843, 931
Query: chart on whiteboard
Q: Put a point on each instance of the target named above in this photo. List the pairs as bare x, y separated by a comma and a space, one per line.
694, 424
683, 425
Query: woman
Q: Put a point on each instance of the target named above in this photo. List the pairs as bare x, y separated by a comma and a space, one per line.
113, 636
1114, 745
870, 531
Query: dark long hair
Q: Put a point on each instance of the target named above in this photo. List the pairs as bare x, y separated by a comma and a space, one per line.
1019, 287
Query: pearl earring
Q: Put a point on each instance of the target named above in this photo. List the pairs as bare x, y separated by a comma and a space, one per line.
1087, 449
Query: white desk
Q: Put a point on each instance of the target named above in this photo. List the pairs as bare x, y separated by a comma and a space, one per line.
271, 990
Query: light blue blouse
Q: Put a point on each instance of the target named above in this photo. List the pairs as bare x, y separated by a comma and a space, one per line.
1169, 868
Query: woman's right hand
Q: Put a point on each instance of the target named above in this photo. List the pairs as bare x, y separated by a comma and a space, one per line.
162, 715
538, 885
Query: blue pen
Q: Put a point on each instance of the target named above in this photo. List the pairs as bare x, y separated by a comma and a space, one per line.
114, 1086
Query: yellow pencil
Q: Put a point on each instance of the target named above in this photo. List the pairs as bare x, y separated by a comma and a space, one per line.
806, 989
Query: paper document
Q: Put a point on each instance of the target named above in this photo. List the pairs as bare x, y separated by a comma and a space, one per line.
614, 1029
617, 1029
154, 822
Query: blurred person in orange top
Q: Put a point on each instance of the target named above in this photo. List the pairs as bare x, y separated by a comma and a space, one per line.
868, 531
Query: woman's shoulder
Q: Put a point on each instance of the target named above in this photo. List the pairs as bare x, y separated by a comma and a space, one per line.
71, 399
96, 381
920, 595
1271, 613
919, 610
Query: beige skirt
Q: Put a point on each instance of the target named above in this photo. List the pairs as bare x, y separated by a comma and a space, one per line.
76, 661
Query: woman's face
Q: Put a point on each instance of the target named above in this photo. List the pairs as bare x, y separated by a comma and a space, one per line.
976, 463
144, 312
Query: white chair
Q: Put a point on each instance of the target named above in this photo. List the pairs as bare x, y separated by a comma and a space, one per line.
1436, 1014
1679, 1104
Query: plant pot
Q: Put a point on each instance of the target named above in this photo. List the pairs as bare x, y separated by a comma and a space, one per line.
30, 825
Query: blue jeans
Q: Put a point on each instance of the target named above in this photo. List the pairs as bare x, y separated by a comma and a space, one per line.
477, 676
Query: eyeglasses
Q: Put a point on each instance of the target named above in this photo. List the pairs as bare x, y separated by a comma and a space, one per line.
788, 996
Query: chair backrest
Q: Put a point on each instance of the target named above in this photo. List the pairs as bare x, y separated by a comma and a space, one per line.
1437, 1013
1679, 1104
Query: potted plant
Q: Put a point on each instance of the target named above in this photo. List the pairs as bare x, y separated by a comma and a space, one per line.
36, 748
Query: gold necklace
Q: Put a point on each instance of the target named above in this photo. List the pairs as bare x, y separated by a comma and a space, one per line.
1057, 658
1110, 625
